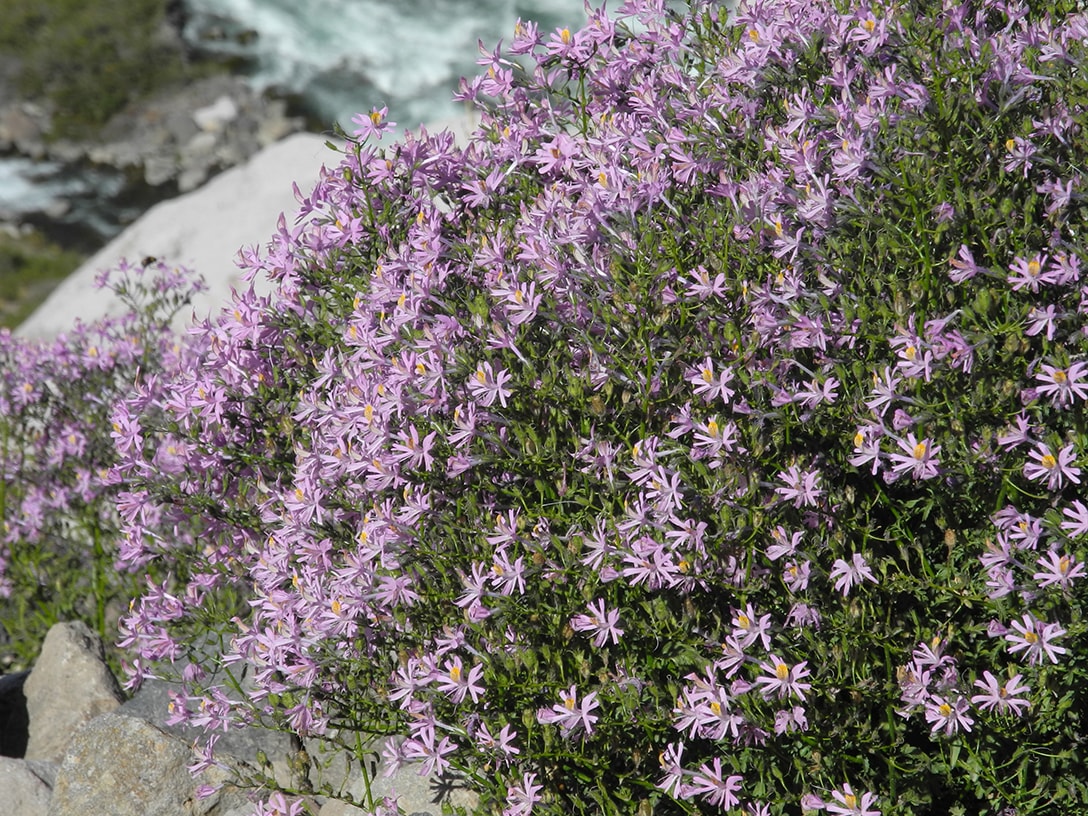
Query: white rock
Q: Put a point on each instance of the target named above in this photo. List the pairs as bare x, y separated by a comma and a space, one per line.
202, 230
216, 115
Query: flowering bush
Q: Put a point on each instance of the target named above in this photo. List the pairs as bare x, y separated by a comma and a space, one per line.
57, 499
704, 435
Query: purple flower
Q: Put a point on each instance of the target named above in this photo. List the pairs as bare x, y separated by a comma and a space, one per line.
1002, 698
1057, 569
456, 683
1035, 639
801, 487
948, 716
603, 623
1055, 469
710, 783
846, 575
520, 798
1077, 519
571, 715
920, 458
782, 681
486, 385
372, 124
847, 803
1063, 385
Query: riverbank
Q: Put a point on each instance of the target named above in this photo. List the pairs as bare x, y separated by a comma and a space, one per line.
104, 112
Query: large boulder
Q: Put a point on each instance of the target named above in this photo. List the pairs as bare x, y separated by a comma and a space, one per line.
22, 791
202, 230
251, 745
125, 766
69, 685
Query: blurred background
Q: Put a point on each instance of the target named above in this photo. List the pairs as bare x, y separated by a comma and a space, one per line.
110, 106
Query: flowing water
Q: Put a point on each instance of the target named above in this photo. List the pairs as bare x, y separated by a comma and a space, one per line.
337, 58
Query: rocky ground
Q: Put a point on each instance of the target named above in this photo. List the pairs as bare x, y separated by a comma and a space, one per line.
179, 136
72, 744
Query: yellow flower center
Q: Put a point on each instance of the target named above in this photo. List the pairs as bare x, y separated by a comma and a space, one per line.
945, 709
859, 439
869, 25
743, 621
569, 703
782, 671
712, 428
850, 800
1010, 144
1060, 376
1034, 267
1048, 462
920, 450
455, 673
1031, 637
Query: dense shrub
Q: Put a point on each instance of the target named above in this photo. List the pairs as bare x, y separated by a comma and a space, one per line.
57, 499
703, 435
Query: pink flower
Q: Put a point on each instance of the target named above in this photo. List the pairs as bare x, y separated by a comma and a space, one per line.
1063, 385
521, 798
1077, 515
1055, 469
710, 382
848, 804
783, 681
801, 486
570, 715
456, 683
846, 575
486, 385
602, 622
920, 459
372, 124
946, 716
709, 783
1001, 697
1034, 638
1057, 569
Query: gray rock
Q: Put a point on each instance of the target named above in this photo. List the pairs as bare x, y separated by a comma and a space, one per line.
151, 704
22, 792
69, 686
340, 776
124, 766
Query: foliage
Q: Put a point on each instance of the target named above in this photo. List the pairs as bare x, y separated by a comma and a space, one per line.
90, 59
29, 269
57, 500
704, 434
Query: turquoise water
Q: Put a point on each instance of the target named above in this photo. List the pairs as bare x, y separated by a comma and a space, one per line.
348, 56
